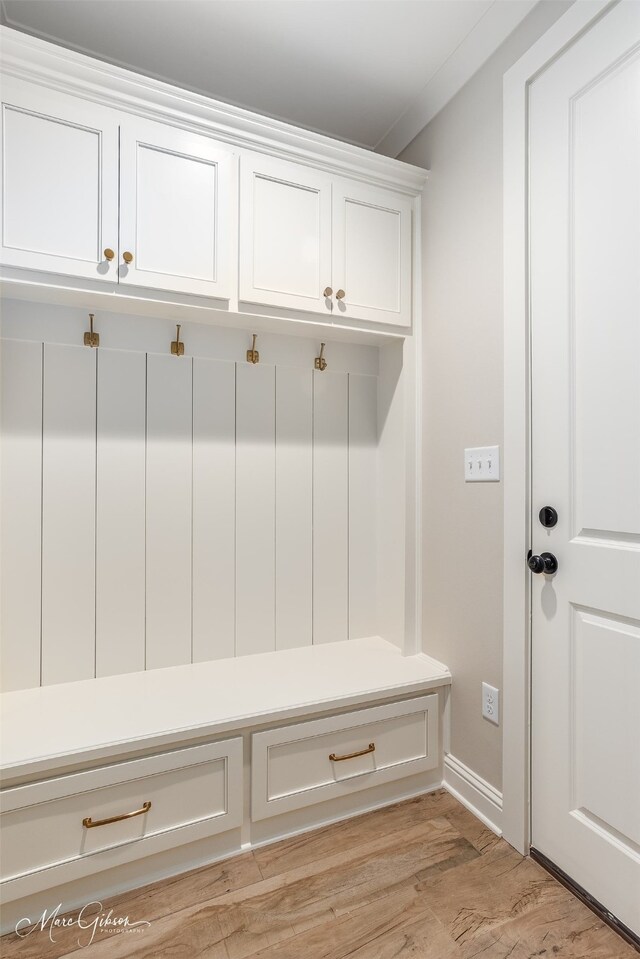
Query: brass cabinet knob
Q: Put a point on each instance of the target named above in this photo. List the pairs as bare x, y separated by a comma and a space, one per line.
328, 291
127, 257
109, 254
340, 295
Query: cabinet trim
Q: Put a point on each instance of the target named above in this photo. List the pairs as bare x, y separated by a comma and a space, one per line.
57, 68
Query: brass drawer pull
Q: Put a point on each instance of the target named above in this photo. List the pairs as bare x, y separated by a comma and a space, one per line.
88, 823
371, 748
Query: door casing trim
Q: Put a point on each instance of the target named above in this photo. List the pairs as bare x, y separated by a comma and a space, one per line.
516, 712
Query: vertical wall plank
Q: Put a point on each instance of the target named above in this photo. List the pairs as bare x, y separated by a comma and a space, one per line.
363, 439
120, 508
68, 514
330, 507
255, 509
20, 531
214, 509
169, 453
294, 504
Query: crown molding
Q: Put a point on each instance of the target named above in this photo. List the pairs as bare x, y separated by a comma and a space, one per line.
489, 33
30, 58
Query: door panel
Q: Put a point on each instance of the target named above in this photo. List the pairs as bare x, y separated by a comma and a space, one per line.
372, 254
174, 210
60, 183
585, 318
285, 235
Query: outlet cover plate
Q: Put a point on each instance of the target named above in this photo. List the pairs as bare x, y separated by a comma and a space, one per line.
491, 703
482, 464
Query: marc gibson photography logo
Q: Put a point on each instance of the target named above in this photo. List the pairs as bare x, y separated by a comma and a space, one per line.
90, 921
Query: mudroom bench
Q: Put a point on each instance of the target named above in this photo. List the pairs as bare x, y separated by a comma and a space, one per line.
114, 782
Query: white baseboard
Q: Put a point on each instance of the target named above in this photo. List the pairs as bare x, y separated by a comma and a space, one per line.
474, 792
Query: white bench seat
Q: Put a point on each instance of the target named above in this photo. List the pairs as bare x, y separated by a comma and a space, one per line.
51, 728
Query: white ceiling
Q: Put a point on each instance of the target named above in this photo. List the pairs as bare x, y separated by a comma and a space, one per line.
364, 71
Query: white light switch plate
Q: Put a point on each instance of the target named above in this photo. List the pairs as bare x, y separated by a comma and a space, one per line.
482, 464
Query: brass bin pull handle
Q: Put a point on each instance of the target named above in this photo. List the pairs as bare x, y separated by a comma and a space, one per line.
88, 823
371, 748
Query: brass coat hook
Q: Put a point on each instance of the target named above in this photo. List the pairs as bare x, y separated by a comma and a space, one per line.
320, 362
177, 348
252, 355
91, 338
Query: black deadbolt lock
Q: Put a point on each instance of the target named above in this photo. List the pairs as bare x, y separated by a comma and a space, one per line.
548, 517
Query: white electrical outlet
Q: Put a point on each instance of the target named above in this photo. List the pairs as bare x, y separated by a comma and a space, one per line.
491, 703
482, 464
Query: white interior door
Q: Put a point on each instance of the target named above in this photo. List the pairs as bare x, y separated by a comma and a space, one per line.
59, 183
175, 201
585, 303
371, 254
285, 235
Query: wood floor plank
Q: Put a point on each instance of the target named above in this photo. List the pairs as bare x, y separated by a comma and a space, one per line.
339, 936
167, 938
335, 887
479, 835
488, 892
567, 930
149, 902
418, 880
366, 930
288, 854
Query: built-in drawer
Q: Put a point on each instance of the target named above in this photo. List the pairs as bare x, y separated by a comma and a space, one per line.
311, 762
141, 807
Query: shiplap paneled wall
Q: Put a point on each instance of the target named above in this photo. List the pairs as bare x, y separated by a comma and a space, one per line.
160, 510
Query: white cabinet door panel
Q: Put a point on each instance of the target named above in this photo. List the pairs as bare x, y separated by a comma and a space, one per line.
175, 200
371, 254
59, 184
312, 762
285, 235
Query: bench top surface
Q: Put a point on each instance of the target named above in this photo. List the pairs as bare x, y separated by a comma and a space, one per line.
50, 728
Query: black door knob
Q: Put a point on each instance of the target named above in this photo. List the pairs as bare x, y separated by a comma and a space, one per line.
544, 563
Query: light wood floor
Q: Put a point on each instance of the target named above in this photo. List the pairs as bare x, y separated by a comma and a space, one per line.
419, 880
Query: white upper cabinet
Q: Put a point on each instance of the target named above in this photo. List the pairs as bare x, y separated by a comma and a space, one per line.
59, 184
188, 197
371, 254
312, 242
175, 199
285, 235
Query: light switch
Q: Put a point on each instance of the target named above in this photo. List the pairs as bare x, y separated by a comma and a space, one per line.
482, 464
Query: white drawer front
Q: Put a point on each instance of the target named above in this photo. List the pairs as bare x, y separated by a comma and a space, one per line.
42, 823
300, 765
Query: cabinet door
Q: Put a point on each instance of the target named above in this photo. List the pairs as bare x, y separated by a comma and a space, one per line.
285, 235
59, 182
175, 210
371, 254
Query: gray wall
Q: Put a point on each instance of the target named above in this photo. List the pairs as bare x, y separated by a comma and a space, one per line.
463, 365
